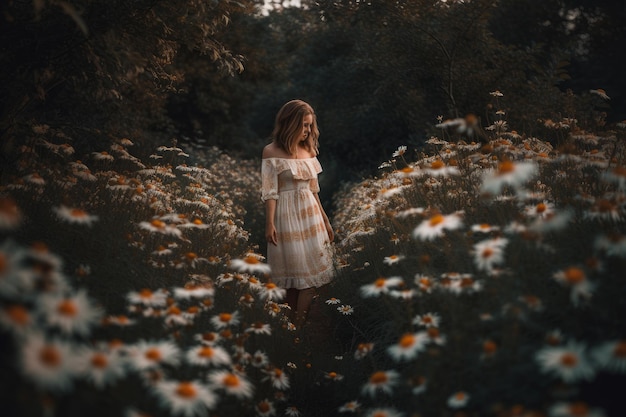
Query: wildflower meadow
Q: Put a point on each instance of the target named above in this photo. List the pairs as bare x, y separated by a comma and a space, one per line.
474, 278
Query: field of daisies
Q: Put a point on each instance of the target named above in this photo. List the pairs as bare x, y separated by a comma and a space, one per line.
473, 279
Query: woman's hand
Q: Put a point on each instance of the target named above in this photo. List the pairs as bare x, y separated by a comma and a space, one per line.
271, 235
329, 230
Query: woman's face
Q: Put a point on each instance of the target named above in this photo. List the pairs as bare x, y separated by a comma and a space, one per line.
307, 125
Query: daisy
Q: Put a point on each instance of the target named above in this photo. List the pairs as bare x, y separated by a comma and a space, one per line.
383, 412
333, 301
408, 346
427, 320
424, 283
410, 212
458, 400
292, 411
102, 156
208, 356
484, 228
393, 259
208, 338
224, 320
408, 172
380, 381
231, 383
390, 192
362, 350
438, 168
159, 226
576, 279
187, 398
399, 152
405, 294
616, 175
277, 377
569, 362
16, 318
270, 291
148, 298
611, 356
149, 355
75, 215
50, 364
601, 93
345, 309
552, 222
575, 409
380, 286
265, 408
259, 359
508, 173
250, 263
10, 214
605, 209
489, 253
435, 336
350, 407
420, 384
435, 226
101, 366
193, 290
73, 314
333, 376
259, 328
613, 244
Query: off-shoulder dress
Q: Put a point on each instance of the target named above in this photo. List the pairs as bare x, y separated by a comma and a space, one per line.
302, 258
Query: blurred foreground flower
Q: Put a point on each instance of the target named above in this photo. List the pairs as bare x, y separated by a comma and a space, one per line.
250, 263
508, 173
435, 226
568, 363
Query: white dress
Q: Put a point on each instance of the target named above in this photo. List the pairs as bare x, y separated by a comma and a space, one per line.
302, 258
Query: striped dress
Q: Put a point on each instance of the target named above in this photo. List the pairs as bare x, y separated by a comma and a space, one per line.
302, 258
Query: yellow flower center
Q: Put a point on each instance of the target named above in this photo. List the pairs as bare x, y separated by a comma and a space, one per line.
18, 314
186, 390
379, 377
50, 356
437, 164
263, 407
253, 260
157, 223
489, 347
153, 354
67, 308
407, 340
620, 350
99, 360
541, 207
506, 167
574, 275
78, 213
231, 380
436, 219
206, 352
379, 283
225, 317
569, 360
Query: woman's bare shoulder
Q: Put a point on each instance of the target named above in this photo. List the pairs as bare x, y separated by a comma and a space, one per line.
272, 150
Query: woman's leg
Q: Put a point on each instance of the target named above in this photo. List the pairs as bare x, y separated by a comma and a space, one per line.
305, 298
292, 302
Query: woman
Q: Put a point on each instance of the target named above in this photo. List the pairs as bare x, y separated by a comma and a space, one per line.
297, 228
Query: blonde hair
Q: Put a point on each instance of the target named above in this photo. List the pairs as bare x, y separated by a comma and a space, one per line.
288, 127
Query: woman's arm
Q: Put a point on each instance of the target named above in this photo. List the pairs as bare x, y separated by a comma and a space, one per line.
270, 229
329, 228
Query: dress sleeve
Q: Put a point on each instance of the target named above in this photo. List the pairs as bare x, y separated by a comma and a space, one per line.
269, 181
314, 185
